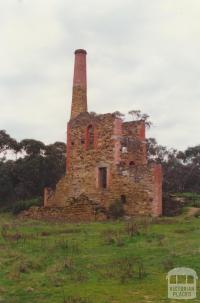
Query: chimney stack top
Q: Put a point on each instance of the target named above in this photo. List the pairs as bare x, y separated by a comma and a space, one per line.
80, 51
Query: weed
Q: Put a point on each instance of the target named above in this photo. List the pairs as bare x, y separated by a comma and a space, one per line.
126, 269
78, 276
68, 246
113, 237
168, 264
132, 229
75, 299
116, 210
68, 264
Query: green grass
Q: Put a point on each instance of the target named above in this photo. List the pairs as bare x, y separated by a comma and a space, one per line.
188, 195
191, 198
51, 262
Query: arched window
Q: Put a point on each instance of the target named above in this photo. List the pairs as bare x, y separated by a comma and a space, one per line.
90, 136
132, 163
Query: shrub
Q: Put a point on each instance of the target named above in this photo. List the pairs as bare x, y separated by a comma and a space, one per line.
116, 210
68, 246
109, 236
24, 205
68, 264
132, 228
75, 299
113, 237
168, 264
130, 268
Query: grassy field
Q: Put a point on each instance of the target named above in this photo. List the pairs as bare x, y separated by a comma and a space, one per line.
113, 262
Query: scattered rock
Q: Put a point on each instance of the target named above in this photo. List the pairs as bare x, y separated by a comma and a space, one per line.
2, 300
29, 289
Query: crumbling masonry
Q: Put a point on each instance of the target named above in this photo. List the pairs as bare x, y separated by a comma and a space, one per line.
106, 162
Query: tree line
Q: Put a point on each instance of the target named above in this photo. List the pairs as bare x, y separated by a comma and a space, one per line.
181, 169
26, 167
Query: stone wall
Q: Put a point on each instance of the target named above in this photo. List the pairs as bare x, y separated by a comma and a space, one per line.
134, 139
139, 183
75, 210
106, 161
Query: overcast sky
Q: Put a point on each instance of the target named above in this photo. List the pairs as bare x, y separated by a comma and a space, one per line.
142, 54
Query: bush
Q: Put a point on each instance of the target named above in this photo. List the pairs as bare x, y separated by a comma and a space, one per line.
25, 204
116, 210
75, 300
132, 229
113, 237
129, 268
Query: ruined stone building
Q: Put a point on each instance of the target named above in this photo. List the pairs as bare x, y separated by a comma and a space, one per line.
106, 162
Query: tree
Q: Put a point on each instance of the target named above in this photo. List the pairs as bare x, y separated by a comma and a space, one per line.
32, 147
7, 143
39, 166
155, 152
55, 163
137, 115
118, 114
7, 194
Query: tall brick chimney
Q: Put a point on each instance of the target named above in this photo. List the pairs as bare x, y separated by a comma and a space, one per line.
79, 94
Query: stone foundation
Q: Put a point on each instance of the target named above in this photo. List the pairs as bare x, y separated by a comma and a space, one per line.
79, 209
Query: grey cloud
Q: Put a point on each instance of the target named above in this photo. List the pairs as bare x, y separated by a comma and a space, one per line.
141, 55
